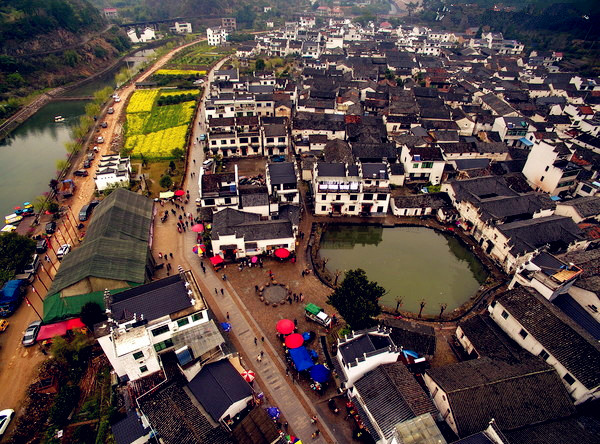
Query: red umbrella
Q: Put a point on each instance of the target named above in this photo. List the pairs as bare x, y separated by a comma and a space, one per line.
254, 259
216, 260
294, 340
282, 253
198, 228
17, 207
248, 375
285, 326
179, 193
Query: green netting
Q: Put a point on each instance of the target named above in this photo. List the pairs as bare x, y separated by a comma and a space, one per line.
115, 245
57, 308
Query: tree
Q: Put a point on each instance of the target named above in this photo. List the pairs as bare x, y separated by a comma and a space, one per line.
259, 65
172, 166
166, 182
357, 299
91, 314
15, 252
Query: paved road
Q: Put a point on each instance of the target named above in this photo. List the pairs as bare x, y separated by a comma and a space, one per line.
297, 409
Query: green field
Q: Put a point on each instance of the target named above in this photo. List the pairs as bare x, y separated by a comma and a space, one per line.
199, 55
157, 132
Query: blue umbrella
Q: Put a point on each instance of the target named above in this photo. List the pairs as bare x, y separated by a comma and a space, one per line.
306, 336
319, 373
273, 412
226, 326
313, 354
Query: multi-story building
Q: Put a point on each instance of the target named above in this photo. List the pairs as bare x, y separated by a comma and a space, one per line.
423, 164
216, 36
113, 170
549, 167
229, 23
219, 190
181, 28
282, 182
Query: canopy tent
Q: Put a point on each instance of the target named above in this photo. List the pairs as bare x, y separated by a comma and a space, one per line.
198, 228
59, 329
216, 260
179, 193
319, 373
226, 326
301, 358
282, 253
285, 326
294, 340
166, 195
273, 412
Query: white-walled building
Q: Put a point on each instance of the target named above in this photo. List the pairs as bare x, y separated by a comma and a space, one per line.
543, 330
219, 190
549, 168
145, 36
363, 351
423, 164
140, 327
113, 170
216, 36
181, 28
282, 182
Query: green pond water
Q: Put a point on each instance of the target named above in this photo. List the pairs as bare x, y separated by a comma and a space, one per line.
413, 263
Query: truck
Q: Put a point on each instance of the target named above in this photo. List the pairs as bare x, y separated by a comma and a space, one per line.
66, 188
316, 314
11, 296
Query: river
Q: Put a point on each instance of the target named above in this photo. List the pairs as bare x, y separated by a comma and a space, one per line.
414, 263
28, 155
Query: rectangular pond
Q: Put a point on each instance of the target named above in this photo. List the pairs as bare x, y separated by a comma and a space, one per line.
414, 263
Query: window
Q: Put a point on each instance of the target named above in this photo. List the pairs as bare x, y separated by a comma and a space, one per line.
569, 379
354, 197
182, 322
197, 316
542, 179
523, 333
427, 165
323, 208
223, 142
270, 139
281, 140
160, 330
213, 142
544, 355
138, 355
323, 197
415, 165
209, 202
163, 345
504, 314
243, 140
351, 208
381, 196
368, 196
143, 369
338, 197
227, 200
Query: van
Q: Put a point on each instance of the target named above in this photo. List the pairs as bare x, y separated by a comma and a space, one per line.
85, 212
33, 265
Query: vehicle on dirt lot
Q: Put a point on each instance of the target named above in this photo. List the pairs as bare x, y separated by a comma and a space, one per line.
100, 139
50, 227
81, 173
62, 251
104, 125
316, 314
41, 246
111, 110
31, 333
5, 417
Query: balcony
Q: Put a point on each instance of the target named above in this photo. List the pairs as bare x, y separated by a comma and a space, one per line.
374, 189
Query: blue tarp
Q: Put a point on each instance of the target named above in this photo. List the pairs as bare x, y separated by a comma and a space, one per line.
526, 141
301, 358
319, 373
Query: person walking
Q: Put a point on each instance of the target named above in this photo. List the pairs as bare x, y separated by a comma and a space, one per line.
262, 339
224, 277
228, 312
262, 353
255, 341
223, 294
313, 420
216, 292
259, 357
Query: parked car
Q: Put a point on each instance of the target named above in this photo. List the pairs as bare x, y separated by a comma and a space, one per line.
202, 136
31, 333
41, 246
85, 212
207, 162
87, 163
33, 265
278, 158
3, 325
50, 227
63, 250
117, 99
111, 110
81, 173
104, 125
5, 417
100, 139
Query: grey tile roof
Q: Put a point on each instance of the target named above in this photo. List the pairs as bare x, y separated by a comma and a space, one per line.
590, 262
572, 346
128, 429
256, 428
218, 386
575, 430
434, 201
515, 395
282, 173
249, 226
392, 395
375, 171
511, 208
325, 169
473, 190
588, 206
412, 336
253, 196
490, 340
528, 235
357, 347
154, 300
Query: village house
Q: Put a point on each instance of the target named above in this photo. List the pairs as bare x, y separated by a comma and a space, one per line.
282, 182
543, 330
425, 164
549, 168
219, 190
580, 209
113, 171
217, 36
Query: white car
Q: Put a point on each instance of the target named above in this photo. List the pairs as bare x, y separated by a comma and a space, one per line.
63, 250
5, 417
207, 162
117, 99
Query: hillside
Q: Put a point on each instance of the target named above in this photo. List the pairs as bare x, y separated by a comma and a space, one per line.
47, 43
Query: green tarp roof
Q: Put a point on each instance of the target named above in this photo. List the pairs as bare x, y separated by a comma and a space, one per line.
115, 245
57, 308
312, 308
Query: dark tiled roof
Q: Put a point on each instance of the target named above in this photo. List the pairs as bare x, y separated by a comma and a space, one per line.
392, 395
218, 386
256, 428
154, 300
578, 314
375, 171
589, 261
412, 336
477, 438
212, 182
325, 169
253, 196
576, 430
178, 421
489, 340
473, 190
515, 395
433, 201
573, 347
510, 208
427, 154
527, 235
275, 130
357, 347
588, 206
128, 429
249, 226
280, 173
